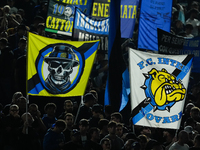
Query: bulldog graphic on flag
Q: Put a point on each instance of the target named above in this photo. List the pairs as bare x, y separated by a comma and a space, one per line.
158, 88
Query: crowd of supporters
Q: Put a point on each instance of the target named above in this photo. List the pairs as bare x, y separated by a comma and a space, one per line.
61, 124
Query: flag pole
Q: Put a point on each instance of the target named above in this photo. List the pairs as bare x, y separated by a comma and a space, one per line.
81, 102
27, 102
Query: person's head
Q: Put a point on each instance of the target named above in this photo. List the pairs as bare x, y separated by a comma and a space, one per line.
188, 28
195, 89
128, 144
68, 12
41, 29
197, 140
195, 5
135, 146
169, 134
6, 9
68, 106
142, 140
188, 107
194, 113
60, 126
190, 122
117, 117
19, 18
3, 43
29, 117
190, 132
178, 25
21, 102
50, 109
14, 110
4, 34
97, 110
75, 135
95, 94
33, 109
105, 144
183, 137
130, 135
119, 130
22, 43
16, 95
21, 30
103, 124
69, 119
89, 99
193, 13
146, 131
112, 127
94, 134
37, 20
21, 12
83, 125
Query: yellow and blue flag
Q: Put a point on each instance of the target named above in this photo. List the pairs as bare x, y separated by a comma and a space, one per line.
58, 68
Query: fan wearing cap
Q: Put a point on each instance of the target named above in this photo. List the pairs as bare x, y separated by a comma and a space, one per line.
116, 142
97, 114
54, 138
60, 65
83, 126
191, 134
85, 110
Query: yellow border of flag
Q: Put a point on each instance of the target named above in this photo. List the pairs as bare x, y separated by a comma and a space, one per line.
37, 43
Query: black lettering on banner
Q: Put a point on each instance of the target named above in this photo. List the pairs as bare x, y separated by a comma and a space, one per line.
85, 36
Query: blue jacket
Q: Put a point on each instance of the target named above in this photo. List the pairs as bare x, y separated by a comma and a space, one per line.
52, 140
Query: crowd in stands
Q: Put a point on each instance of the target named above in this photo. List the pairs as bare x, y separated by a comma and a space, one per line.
92, 126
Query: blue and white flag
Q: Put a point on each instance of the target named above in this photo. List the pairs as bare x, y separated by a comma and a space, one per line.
153, 14
87, 28
158, 88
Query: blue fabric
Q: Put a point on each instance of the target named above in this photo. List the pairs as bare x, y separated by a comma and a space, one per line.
181, 16
113, 34
91, 25
154, 14
125, 89
192, 46
48, 122
52, 140
128, 17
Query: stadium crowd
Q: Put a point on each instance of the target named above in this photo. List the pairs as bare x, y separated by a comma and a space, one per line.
48, 124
